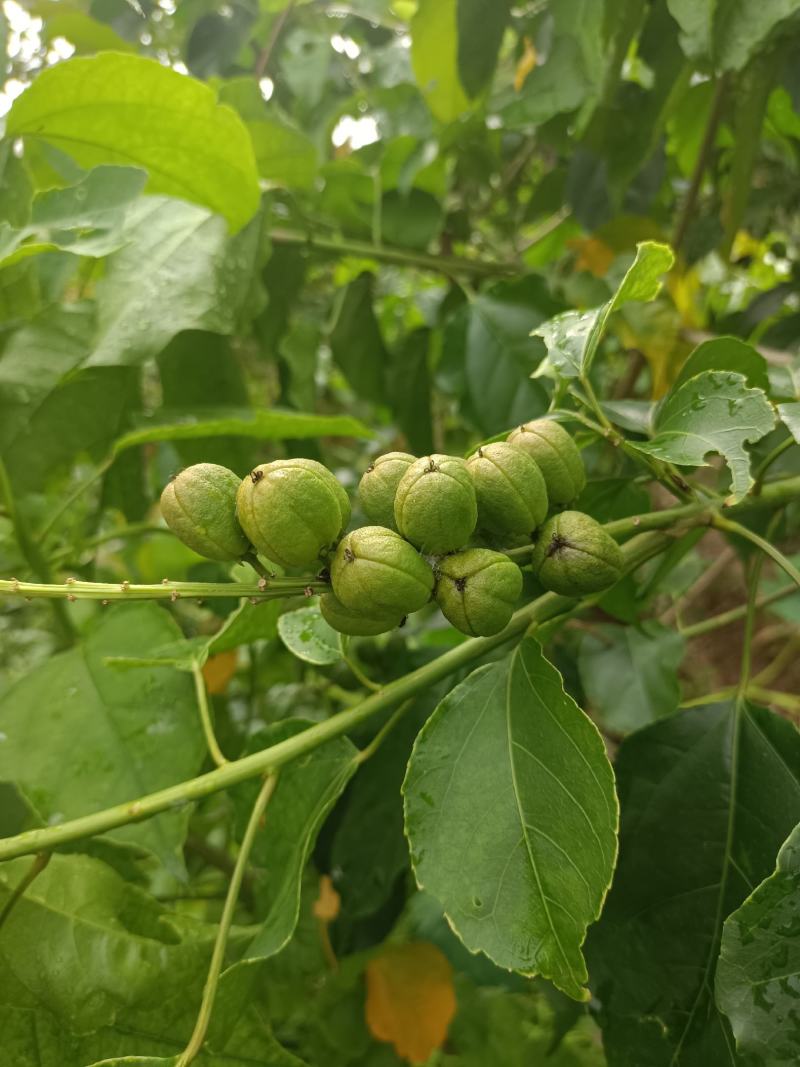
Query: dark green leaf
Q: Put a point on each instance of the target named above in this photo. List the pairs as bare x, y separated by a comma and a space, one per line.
707, 797
357, 344
480, 33
511, 817
726, 353
759, 964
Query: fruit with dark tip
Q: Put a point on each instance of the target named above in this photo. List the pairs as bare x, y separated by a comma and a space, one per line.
477, 590
376, 572
512, 496
293, 510
575, 556
199, 506
557, 455
435, 506
378, 487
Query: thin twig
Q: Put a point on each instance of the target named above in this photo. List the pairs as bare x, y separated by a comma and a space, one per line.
205, 716
37, 866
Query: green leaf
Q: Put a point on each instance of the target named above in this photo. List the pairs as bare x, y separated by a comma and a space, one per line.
87, 219
271, 424
629, 673
100, 943
572, 339
712, 412
708, 797
179, 270
727, 31
309, 637
435, 58
306, 791
86, 34
696, 19
80, 736
357, 343
284, 155
511, 817
790, 417
726, 353
480, 34
145, 115
249, 623
759, 964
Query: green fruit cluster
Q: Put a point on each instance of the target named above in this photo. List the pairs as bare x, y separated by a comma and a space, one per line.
430, 521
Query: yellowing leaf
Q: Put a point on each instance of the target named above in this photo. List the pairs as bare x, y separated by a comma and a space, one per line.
527, 61
410, 999
218, 671
593, 255
326, 906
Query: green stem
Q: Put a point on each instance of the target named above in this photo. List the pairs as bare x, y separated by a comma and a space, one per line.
205, 715
270, 759
767, 462
786, 701
369, 750
355, 666
73, 589
29, 547
725, 618
760, 542
343, 246
218, 955
257, 565
37, 866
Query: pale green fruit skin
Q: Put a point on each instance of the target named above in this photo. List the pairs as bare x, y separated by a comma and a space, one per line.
575, 556
557, 455
376, 572
354, 623
378, 487
293, 511
477, 590
435, 507
512, 496
199, 506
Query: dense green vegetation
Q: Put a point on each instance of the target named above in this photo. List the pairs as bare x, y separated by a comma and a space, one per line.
555, 826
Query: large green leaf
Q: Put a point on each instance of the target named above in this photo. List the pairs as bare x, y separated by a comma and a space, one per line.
726, 353
572, 339
712, 412
708, 796
80, 736
179, 270
357, 343
758, 971
87, 219
630, 674
124, 109
306, 791
511, 817
480, 29
729, 31
435, 58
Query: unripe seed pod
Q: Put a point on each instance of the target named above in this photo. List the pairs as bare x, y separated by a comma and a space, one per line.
355, 623
376, 572
477, 590
293, 510
575, 556
199, 506
378, 487
435, 507
512, 497
558, 457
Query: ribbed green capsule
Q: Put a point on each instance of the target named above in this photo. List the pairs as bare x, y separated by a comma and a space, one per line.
293, 511
378, 486
575, 556
512, 496
199, 506
477, 590
355, 623
376, 572
435, 507
557, 455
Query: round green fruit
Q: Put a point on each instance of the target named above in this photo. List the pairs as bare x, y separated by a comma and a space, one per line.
199, 506
557, 455
378, 487
293, 510
435, 506
477, 590
574, 555
512, 496
355, 623
376, 572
